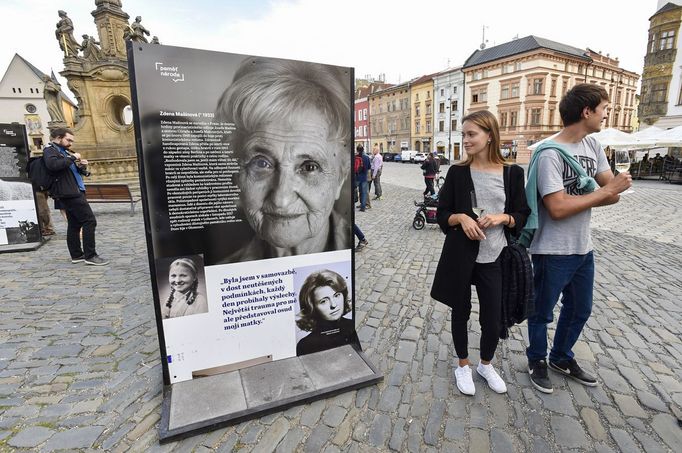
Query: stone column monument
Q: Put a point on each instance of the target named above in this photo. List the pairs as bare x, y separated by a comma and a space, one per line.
97, 74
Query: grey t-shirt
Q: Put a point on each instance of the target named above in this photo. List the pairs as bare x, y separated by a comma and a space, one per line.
570, 236
490, 196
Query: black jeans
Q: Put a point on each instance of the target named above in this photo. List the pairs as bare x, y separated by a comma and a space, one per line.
429, 186
79, 215
488, 280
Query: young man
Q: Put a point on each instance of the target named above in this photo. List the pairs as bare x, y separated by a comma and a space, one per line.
361, 178
562, 247
70, 190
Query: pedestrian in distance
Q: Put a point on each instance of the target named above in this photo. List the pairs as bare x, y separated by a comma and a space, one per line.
362, 241
361, 177
429, 169
478, 221
69, 188
561, 247
377, 167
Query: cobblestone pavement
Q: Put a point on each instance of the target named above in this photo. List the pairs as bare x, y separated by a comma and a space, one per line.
79, 360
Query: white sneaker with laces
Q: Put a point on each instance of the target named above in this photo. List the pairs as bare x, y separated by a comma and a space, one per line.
465, 382
495, 382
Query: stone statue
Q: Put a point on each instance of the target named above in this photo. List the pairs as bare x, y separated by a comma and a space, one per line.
155, 40
136, 31
104, 2
64, 34
51, 92
90, 48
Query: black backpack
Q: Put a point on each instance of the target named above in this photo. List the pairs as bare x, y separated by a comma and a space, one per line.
39, 175
518, 300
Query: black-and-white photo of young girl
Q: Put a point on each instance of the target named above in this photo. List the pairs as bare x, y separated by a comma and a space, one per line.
182, 286
325, 312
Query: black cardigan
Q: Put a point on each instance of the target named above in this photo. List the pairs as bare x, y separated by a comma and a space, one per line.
456, 264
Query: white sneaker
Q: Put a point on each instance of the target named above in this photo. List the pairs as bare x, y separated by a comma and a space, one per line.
495, 382
465, 382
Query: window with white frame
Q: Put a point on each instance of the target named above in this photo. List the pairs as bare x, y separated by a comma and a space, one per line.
479, 95
535, 116
503, 119
666, 40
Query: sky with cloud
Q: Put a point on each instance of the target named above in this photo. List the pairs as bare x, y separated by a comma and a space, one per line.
399, 39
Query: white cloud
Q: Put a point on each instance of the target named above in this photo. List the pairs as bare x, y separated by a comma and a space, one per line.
402, 40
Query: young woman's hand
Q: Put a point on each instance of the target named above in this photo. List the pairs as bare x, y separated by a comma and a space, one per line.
491, 220
471, 228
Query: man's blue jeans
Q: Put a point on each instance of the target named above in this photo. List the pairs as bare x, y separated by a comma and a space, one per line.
572, 276
363, 195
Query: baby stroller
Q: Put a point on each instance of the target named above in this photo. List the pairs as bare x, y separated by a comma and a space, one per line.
426, 212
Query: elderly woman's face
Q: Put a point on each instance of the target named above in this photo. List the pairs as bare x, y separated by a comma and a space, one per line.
180, 278
329, 303
290, 176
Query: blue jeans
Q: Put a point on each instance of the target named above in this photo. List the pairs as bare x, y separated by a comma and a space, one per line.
572, 276
363, 195
358, 233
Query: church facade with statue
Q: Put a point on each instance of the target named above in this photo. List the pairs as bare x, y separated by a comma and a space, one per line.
96, 70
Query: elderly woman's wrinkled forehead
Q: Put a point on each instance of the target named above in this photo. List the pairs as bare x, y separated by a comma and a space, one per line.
264, 89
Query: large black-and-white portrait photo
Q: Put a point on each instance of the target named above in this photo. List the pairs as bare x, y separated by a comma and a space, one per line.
291, 141
245, 158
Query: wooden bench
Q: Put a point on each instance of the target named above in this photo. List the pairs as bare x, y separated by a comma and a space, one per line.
110, 193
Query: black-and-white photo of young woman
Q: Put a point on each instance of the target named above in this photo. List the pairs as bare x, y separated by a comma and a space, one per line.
292, 143
184, 291
324, 301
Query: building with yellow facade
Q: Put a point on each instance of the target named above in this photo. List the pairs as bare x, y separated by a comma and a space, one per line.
389, 118
522, 82
421, 123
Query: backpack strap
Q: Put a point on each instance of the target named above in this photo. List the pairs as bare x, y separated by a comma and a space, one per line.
507, 181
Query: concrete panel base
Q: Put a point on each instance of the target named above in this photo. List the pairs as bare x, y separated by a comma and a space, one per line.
211, 402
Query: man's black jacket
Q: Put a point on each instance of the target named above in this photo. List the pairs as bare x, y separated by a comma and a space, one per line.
65, 184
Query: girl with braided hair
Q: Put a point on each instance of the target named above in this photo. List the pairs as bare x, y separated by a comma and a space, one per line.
184, 298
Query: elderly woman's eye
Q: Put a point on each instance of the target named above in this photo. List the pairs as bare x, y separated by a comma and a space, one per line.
259, 163
310, 166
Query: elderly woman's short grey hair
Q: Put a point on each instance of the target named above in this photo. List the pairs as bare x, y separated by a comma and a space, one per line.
267, 89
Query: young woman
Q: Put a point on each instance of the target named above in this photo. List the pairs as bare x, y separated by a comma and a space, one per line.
473, 242
184, 298
324, 300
